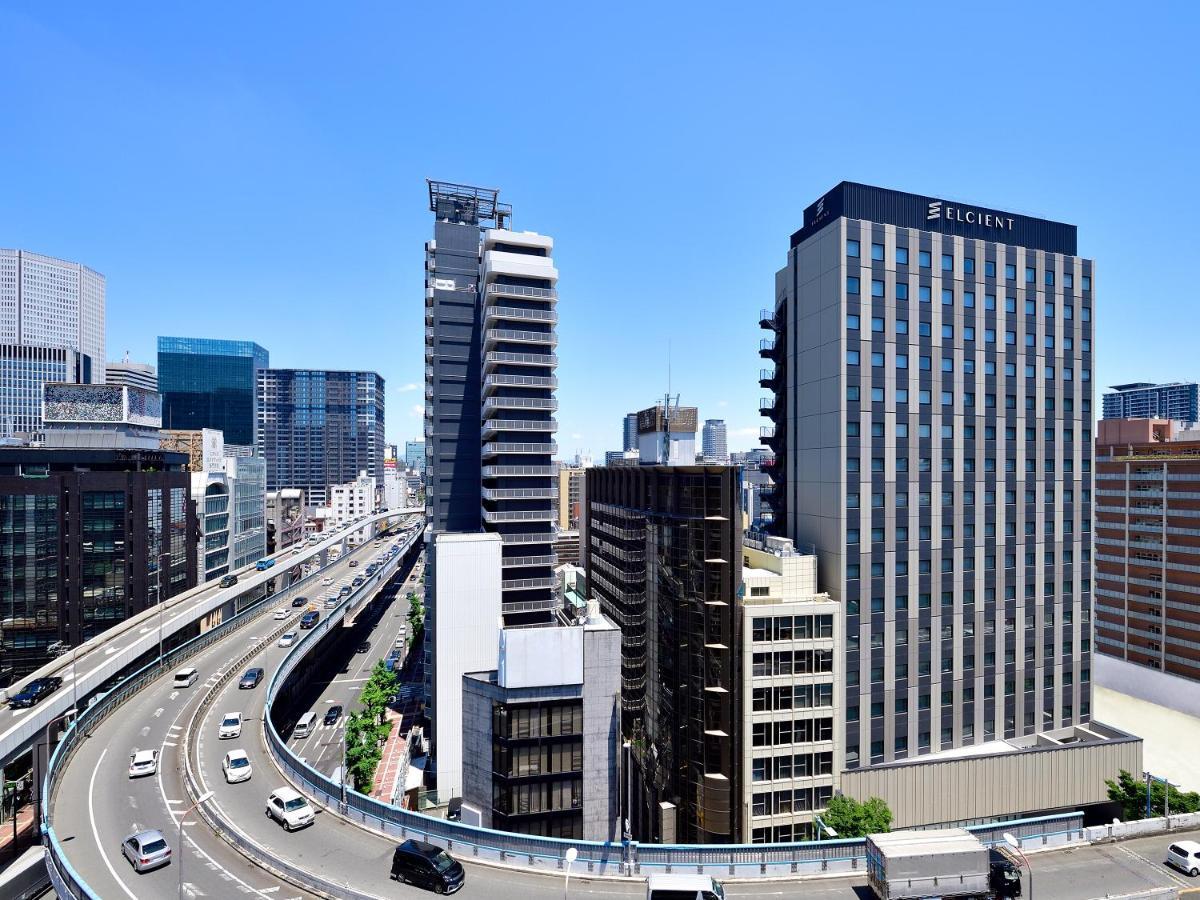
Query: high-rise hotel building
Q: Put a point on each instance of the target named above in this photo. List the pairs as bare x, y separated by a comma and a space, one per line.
932, 425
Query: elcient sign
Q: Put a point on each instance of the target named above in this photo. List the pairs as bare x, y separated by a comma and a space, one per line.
938, 209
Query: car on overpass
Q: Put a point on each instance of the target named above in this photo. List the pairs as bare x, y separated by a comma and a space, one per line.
143, 762
236, 766
299, 601
289, 809
228, 581
250, 679
146, 850
429, 866
310, 619
35, 692
231, 726
263, 564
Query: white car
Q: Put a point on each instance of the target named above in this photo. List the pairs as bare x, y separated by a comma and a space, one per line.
143, 762
231, 726
327, 581
282, 613
287, 639
289, 808
236, 766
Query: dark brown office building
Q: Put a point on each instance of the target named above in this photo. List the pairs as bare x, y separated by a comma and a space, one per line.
664, 558
1148, 545
82, 536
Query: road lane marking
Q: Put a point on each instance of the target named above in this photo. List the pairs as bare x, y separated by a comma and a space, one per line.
158, 712
1163, 869
96, 831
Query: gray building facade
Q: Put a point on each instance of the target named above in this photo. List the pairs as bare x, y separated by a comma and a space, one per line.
318, 428
932, 423
714, 444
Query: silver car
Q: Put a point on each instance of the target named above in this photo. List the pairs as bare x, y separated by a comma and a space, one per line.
146, 850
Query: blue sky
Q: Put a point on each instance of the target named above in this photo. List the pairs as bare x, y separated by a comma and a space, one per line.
257, 170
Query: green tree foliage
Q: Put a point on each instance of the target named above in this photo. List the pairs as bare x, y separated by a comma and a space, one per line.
851, 819
1130, 792
367, 728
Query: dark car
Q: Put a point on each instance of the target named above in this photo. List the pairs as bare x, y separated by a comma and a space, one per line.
250, 679
353, 563
229, 581
346, 589
425, 865
309, 619
333, 714
371, 569
35, 692
358, 581
364, 647
299, 601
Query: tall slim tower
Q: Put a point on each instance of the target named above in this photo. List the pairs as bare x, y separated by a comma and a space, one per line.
714, 444
935, 445
490, 366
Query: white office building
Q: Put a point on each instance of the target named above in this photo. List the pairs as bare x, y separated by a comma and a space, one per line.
464, 625
351, 501
134, 374
51, 331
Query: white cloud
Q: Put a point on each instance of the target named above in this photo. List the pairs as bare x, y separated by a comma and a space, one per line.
722, 403
575, 436
417, 410
405, 388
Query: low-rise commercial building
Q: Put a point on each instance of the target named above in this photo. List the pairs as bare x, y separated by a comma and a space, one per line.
791, 692
540, 732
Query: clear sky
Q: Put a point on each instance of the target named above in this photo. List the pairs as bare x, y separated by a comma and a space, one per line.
257, 170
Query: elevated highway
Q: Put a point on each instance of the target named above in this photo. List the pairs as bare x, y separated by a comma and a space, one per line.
231, 847
95, 663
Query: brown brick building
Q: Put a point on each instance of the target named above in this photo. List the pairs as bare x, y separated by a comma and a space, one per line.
1147, 555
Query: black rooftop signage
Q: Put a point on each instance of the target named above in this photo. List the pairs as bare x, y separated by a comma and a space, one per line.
861, 201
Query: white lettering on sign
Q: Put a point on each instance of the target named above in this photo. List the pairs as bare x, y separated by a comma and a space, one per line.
938, 209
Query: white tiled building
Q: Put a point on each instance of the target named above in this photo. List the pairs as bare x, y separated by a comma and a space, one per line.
351, 501
791, 684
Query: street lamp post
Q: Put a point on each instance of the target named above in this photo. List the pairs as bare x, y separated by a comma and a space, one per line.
161, 601
571, 855
40, 770
204, 798
1011, 840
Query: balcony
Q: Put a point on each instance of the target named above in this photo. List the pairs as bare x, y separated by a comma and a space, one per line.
766, 377
766, 406
543, 404
495, 426
528, 562
495, 448
766, 347
529, 537
495, 314
766, 319
548, 295
496, 336
492, 382
497, 358
502, 516
540, 493
766, 433
527, 584
518, 471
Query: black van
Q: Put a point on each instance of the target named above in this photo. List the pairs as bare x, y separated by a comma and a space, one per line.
425, 865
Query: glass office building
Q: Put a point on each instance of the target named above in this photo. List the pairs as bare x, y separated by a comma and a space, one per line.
318, 428
210, 383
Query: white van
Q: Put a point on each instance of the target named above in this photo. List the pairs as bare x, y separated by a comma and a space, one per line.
305, 726
186, 677
683, 887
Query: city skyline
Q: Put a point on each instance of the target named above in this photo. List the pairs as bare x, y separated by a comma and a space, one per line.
241, 149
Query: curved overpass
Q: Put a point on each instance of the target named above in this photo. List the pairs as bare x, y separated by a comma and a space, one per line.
100, 659
94, 805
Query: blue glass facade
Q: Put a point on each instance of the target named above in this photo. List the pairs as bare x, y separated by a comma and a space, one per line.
210, 383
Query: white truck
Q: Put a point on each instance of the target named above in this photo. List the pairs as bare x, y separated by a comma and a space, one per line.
943, 863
